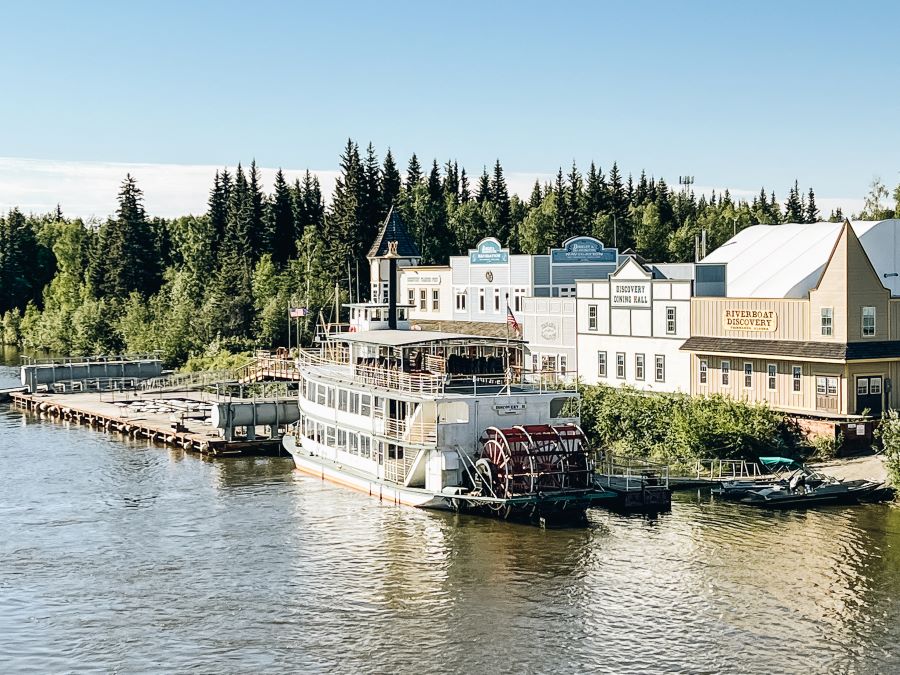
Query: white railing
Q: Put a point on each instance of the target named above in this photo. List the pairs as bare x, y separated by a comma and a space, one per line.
721, 469
186, 380
74, 360
630, 472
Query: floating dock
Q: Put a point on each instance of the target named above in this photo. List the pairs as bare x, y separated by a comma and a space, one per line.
177, 419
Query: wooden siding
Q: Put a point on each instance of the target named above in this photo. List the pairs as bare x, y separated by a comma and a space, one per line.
793, 317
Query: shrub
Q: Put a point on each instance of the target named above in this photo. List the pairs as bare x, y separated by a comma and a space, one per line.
889, 434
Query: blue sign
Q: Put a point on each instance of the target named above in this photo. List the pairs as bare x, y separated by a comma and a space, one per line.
583, 250
489, 252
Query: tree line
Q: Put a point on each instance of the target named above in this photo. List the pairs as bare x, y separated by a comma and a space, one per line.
224, 280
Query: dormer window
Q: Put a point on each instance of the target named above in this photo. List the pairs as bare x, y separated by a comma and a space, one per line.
868, 321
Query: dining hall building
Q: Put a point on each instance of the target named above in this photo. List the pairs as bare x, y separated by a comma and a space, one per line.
809, 322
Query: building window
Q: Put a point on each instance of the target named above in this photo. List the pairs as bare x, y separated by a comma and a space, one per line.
412, 296
592, 317
748, 374
704, 368
796, 375
726, 373
496, 299
868, 321
461, 301
620, 365
639, 367
481, 300
670, 321
562, 364
827, 321
772, 372
831, 386
423, 299
862, 386
601, 364
660, 368
820, 386
535, 362
435, 299
875, 385
519, 298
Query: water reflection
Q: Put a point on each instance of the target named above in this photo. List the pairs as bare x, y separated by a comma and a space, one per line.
123, 555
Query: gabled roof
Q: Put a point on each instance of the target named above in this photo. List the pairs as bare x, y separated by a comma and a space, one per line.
394, 229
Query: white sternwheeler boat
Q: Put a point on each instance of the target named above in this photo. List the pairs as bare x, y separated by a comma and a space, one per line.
434, 419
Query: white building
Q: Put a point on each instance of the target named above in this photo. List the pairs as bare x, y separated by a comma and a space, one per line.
428, 292
550, 333
630, 327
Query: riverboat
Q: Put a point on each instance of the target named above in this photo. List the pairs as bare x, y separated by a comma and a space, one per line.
436, 419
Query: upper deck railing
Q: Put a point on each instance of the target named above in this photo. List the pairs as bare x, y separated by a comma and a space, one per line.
78, 360
337, 366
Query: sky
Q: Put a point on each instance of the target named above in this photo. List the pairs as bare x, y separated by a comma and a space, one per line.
738, 95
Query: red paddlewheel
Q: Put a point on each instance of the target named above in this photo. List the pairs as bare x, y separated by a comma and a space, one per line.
539, 458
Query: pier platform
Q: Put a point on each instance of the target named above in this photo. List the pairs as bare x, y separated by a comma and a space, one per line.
176, 418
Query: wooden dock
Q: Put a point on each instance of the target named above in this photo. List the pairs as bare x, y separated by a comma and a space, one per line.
176, 419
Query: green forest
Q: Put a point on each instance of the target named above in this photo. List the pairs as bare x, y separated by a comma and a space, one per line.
222, 281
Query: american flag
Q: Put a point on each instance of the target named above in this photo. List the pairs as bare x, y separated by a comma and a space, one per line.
297, 312
511, 320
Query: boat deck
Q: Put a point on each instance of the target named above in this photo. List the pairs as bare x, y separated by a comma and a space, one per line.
176, 419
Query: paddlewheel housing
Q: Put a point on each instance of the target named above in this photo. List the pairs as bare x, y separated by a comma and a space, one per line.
534, 460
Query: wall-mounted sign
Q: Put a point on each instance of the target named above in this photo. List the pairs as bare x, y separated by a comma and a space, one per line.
509, 408
630, 294
429, 279
754, 320
549, 331
489, 276
489, 252
583, 250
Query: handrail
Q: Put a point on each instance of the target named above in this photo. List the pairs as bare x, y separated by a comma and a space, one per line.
110, 358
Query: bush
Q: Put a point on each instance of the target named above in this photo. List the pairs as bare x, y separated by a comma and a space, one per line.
677, 428
826, 447
889, 434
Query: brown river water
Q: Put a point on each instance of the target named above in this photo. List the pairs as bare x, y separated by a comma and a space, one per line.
122, 556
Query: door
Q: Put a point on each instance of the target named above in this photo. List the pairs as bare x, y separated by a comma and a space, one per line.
869, 394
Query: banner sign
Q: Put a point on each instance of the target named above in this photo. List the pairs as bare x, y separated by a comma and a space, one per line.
583, 250
630, 294
423, 279
754, 320
489, 252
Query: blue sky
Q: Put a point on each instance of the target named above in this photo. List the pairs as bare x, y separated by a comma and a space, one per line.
737, 94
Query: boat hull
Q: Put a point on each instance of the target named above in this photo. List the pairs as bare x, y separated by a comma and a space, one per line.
558, 508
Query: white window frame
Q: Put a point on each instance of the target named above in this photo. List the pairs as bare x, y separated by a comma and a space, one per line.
703, 372
671, 321
592, 317
826, 321
659, 367
772, 377
796, 379
862, 386
435, 299
562, 363
423, 299
725, 367
601, 364
639, 363
620, 365
496, 300
867, 331
748, 375
460, 300
872, 387
481, 304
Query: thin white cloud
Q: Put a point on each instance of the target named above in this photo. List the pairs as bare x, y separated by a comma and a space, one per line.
88, 189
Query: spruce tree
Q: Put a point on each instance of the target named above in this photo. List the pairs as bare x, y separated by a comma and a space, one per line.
483, 191
464, 194
500, 197
812, 211
281, 218
259, 236
413, 175
390, 182
793, 208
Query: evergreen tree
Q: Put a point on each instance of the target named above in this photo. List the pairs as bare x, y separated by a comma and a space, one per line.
595, 193
390, 183
372, 209
812, 211
574, 212
500, 197
483, 192
464, 194
537, 195
793, 208
259, 236
413, 175
282, 225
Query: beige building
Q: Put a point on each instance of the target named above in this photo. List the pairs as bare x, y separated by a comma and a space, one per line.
829, 346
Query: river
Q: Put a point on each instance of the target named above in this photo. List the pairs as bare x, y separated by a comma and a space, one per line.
122, 556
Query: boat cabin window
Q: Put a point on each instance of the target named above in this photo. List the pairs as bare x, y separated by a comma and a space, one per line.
559, 407
343, 399
365, 405
453, 413
353, 443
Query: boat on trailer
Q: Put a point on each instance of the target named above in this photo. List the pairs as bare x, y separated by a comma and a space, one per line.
437, 420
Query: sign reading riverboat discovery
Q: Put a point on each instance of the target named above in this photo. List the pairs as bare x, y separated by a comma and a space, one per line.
631, 294
753, 320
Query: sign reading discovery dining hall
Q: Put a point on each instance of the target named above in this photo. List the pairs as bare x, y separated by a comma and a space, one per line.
583, 250
754, 320
489, 252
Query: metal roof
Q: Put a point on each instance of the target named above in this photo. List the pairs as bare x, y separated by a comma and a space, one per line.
394, 229
400, 338
786, 261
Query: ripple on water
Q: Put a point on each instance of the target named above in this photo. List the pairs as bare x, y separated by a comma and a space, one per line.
119, 555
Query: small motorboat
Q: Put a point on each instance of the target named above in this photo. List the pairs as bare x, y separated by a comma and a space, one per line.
799, 494
781, 471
